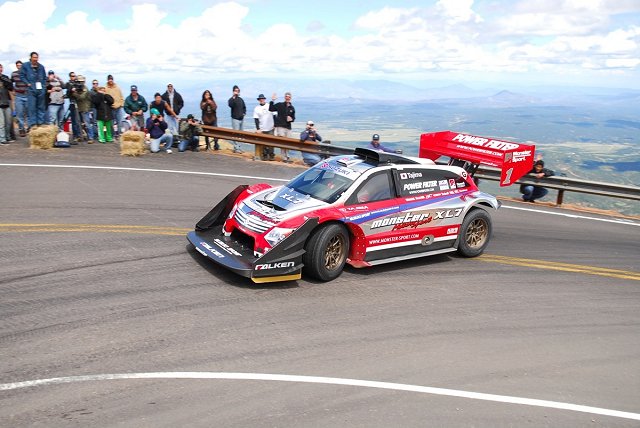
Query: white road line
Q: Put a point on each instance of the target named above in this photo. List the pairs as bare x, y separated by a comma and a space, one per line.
606, 220
172, 171
327, 380
257, 178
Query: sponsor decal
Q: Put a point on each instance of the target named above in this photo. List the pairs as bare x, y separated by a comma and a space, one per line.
212, 250
359, 216
441, 215
443, 184
390, 239
461, 184
355, 208
410, 175
452, 231
464, 174
408, 220
384, 210
291, 198
338, 170
520, 156
485, 142
278, 265
226, 248
452, 183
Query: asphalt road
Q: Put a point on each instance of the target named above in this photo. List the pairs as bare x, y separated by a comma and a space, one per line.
97, 280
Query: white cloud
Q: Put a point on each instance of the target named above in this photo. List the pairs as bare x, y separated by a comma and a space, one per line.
552, 36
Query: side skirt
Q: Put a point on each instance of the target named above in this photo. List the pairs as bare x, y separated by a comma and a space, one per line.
406, 257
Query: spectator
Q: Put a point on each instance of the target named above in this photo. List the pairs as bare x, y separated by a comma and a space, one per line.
285, 116
530, 192
94, 113
238, 112
56, 100
190, 131
6, 121
175, 101
76, 126
103, 104
21, 103
209, 117
163, 107
135, 105
35, 77
83, 101
117, 116
310, 135
375, 145
263, 119
156, 127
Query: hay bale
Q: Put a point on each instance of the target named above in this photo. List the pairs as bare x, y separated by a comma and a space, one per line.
43, 137
132, 143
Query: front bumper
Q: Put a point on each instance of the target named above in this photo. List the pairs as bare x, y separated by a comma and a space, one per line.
282, 263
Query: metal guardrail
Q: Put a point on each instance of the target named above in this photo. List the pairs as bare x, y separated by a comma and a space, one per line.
562, 184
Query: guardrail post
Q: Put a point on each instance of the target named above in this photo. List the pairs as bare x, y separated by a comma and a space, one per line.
560, 197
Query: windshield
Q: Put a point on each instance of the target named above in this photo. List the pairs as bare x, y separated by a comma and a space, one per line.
319, 183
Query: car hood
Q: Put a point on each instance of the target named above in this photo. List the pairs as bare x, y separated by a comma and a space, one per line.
280, 203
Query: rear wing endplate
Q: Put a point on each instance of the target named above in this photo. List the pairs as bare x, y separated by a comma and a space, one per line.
513, 159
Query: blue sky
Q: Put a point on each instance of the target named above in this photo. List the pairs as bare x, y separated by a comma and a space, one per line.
570, 42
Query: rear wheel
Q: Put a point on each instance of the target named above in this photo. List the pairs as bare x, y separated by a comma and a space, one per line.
326, 252
474, 233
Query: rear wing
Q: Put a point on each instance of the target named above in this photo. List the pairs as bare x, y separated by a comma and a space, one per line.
513, 159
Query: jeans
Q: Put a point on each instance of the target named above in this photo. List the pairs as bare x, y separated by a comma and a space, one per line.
56, 115
36, 106
6, 122
167, 139
191, 143
238, 125
75, 120
172, 124
22, 106
88, 122
531, 193
118, 117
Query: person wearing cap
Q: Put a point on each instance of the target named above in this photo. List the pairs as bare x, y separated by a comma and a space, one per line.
83, 101
375, 145
175, 101
285, 116
263, 119
156, 127
190, 131
102, 103
310, 136
115, 92
72, 112
55, 95
135, 105
530, 192
35, 76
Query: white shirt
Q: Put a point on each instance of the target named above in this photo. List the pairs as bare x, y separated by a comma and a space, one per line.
264, 116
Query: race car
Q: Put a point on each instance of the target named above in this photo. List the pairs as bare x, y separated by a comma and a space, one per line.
363, 209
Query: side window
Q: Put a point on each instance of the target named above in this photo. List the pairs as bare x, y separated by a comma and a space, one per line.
414, 182
377, 188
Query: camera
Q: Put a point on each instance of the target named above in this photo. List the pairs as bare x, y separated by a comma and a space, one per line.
78, 85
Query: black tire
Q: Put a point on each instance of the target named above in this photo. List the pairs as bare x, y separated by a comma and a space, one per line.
326, 252
475, 233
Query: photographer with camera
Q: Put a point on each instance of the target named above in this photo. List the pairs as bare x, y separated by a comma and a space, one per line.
156, 127
82, 97
72, 112
56, 100
190, 131
310, 135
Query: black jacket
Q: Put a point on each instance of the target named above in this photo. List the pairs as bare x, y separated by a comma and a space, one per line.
283, 109
103, 105
178, 102
238, 108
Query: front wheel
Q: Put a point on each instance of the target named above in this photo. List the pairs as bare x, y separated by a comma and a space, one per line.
474, 233
326, 252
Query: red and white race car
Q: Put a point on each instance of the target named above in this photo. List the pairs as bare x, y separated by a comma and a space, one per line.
363, 209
